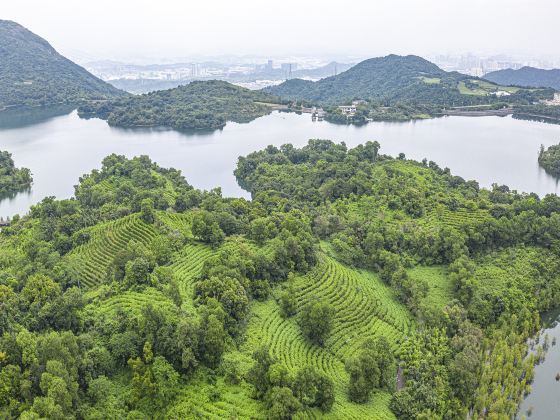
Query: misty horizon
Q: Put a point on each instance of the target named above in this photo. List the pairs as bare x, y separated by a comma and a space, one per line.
247, 30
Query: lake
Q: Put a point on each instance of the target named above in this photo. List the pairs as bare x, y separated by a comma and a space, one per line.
543, 402
59, 149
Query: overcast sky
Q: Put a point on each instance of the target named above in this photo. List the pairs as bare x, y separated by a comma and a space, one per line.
172, 28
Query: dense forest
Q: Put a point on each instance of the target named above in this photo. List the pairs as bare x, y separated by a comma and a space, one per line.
12, 179
549, 159
32, 73
527, 77
352, 285
198, 105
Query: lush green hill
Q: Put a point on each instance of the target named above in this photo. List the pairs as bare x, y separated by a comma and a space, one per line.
198, 105
396, 79
386, 77
353, 285
527, 77
32, 73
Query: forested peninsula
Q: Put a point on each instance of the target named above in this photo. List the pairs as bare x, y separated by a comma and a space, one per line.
353, 284
200, 105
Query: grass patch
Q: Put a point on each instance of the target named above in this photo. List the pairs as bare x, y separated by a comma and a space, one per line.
465, 90
441, 288
431, 80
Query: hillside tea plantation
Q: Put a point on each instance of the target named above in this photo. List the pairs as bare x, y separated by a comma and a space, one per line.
352, 285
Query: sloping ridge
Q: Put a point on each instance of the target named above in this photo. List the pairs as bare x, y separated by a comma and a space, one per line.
527, 77
33, 73
384, 78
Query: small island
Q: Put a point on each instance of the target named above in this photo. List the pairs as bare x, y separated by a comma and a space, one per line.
12, 179
549, 159
200, 105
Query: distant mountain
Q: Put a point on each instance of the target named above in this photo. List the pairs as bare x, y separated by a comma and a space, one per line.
199, 105
392, 79
527, 77
32, 73
327, 70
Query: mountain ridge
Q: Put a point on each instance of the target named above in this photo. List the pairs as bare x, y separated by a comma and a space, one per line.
33, 73
393, 79
527, 77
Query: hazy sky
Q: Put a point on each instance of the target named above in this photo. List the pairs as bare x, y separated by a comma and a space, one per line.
173, 28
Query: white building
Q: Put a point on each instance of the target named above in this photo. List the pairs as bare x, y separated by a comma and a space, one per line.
347, 109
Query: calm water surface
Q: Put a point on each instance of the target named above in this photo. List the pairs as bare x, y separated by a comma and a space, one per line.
543, 402
58, 150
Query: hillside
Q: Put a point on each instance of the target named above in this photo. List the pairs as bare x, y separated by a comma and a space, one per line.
526, 77
32, 73
353, 285
198, 105
396, 79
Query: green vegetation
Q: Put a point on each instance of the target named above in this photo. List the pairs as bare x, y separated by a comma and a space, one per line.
538, 112
372, 368
352, 285
12, 179
395, 79
316, 321
430, 80
32, 73
480, 87
549, 159
527, 77
430, 236
196, 106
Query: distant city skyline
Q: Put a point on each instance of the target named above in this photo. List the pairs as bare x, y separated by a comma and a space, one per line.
171, 29
259, 72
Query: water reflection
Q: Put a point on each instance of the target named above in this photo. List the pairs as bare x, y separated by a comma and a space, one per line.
22, 117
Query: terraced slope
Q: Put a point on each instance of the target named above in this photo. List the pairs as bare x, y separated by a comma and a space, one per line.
453, 218
187, 265
188, 262
132, 303
365, 308
234, 402
180, 222
91, 260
